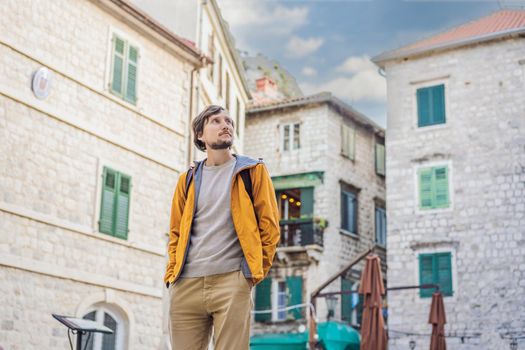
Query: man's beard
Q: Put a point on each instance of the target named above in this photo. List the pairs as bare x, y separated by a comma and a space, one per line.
221, 145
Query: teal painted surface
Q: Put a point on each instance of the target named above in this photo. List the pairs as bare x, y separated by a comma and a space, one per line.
333, 336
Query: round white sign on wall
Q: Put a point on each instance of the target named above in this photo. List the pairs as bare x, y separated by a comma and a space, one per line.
41, 84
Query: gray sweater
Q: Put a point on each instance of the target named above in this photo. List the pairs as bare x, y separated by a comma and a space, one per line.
214, 246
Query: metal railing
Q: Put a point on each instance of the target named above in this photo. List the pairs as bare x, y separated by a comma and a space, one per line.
300, 232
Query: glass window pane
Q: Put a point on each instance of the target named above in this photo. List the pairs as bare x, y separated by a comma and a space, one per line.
124, 184
110, 179
296, 136
286, 138
90, 316
281, 300
108, 340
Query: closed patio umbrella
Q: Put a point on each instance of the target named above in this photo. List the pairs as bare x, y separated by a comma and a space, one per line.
373, 334
438, 319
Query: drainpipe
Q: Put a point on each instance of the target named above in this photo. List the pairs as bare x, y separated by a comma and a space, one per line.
190, 116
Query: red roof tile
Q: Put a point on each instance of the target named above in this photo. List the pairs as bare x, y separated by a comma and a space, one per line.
483, 28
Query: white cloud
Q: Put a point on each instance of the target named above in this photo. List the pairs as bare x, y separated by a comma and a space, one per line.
355, 64
309, 71
249, 19
299, 47
364, 83
273, 18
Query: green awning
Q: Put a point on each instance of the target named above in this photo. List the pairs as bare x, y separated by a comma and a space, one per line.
333, 335
284, 341
310, 179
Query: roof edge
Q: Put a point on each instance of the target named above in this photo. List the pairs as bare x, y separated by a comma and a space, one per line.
381, 59
158, 28
320, 98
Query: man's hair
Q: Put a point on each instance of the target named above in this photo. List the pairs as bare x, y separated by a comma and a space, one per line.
202, 118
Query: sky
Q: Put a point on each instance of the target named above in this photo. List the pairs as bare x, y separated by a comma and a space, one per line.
327, 44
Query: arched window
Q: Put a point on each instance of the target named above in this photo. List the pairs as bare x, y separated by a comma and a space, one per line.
110, 319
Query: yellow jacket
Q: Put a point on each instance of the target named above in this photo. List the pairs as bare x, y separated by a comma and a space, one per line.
257, 225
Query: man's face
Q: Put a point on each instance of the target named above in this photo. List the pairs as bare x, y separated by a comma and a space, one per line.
218, 131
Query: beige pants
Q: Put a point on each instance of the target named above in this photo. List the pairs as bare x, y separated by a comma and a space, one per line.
222, 302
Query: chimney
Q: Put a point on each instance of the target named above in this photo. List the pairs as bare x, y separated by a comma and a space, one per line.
266, 85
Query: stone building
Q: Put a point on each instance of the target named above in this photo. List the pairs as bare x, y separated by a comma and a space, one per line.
455, 187
91, 149
327, 166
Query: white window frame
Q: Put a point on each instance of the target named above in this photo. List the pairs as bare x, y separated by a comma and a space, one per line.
450, 174
99, 317
291, 127
109, 64
416, 85
275, 300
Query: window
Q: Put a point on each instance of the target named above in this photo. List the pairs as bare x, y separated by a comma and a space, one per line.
276, 295
347, 141
349, 208
114, 207
433, 187
351, 304
289, 203
295, 204
227, 97
435, 269
282, 301
211, 54
100, 341
431, 105
380, 159
124, 69
238, 116
290, 136
219, 76
380, 226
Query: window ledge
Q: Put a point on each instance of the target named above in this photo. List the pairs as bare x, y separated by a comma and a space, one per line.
347, 157
381, 246
348, 233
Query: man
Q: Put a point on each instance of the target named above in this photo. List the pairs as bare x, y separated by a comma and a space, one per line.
223, 238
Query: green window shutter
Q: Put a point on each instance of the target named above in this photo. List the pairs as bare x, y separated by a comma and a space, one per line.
107, 205
122, 207
263, 299
380, 159
118, 65
441, 199
131, 81
346, 300
438, 104
343, 140
426, 273
307, 201
423, 107
431, 105
295, 290
351, 143
443, 263
426, 193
